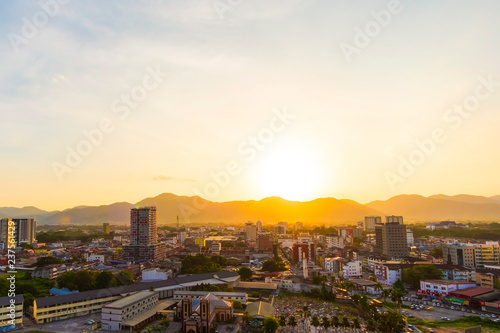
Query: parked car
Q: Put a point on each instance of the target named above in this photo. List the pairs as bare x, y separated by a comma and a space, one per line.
90, 322
445, 318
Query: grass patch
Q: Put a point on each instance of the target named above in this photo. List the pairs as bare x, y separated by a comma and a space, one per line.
465, 322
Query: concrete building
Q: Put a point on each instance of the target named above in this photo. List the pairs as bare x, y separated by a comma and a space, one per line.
259, 226
391, 240
216, 248
105, 228
442, 287
54, 308
95, 257
283, 283
153, 275
489, 278
333, 265
227, 296
281, 228
144, 244
299, 226
24, 231
370, 222
334, 241
352, 269
11, 313
117, 315
304, 250
251, 232
265, 242
394, 219
472, 255
410, 240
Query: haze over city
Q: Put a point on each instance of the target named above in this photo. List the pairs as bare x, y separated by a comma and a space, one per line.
217, 77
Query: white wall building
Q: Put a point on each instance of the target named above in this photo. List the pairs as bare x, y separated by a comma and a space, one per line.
284, 283
226, 296
352, 269
95, 257
154, 275
410, 240
334, 241
443, 287
121, 311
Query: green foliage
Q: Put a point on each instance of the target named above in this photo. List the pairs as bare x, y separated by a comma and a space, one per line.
61, 236
254, 294
282, 320
28, 300
324, 230
25, 284
325, 322
390, 322
236, 304
413, 276
124, 278
292, 321
464, 322
48, 260
274, 265
245, 273
487, 231
200, 264
271, 324
437, 252
105, 280
315, 321
79, 280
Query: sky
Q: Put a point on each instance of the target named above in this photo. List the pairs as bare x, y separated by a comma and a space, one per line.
113, 101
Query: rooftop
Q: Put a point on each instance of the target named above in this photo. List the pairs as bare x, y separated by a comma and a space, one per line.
448, 282
130, 300
471, 292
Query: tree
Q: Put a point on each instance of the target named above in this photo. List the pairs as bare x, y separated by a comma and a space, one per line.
237, 304
325, 322
292, 321
200, 263
414, 275
384, 294
399, 285
437, 252
390, 322
345, 323
315, 322
105, 280
274, 265
378, 286
245, 273
316, 280
355, 323
28, 300
396, 295
48, 260
246, 317
335, 321
124, 278
370, 325
282, 320
271, 324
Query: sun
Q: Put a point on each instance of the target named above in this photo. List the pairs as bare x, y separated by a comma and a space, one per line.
290, 171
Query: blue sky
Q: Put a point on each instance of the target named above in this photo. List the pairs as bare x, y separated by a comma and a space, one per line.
223, 77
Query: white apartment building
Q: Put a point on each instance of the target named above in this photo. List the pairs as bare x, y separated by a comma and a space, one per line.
284, 283
334, 241
115, 314
443, 287
95, 257
352, 269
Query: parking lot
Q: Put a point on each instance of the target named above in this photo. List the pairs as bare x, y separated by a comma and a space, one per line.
75, 325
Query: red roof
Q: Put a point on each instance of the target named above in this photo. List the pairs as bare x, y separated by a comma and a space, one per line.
471, 292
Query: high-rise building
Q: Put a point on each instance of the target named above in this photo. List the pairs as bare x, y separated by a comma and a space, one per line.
24, 231
370, 222
303, 251
391, 240
265, 242
394, 219
281, 228
334, 241
144, 245
472, 255
251, 232
299, 226
259, 226
105, 228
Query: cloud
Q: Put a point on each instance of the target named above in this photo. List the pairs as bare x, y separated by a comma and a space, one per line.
161, 177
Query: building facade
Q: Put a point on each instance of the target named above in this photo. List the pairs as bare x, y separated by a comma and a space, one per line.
370, 222
201, 315
391, 240
24, 231
118, 312
11, 313
304, 250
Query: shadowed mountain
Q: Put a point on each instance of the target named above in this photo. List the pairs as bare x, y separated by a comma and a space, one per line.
115, 213
439, 207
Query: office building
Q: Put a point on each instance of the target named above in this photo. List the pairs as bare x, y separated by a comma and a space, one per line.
391, 240
394, 219
334, 241
281, 228
472, 255
24, 231
105, 228
265, 242
251, 232
259, 226
370, 222
144, 245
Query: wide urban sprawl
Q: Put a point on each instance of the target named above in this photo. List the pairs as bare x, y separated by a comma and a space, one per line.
378, 274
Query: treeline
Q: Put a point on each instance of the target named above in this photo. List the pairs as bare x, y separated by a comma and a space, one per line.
200, 264
485, 231
89, 280
61, 236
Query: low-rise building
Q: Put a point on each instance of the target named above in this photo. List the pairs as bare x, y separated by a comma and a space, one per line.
352, 269
116, 314
442, 287
242, 297
284, 283
11, 313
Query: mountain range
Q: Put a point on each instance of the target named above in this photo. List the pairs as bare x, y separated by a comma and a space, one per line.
413, 208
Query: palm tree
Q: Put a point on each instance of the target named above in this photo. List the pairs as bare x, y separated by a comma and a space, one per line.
332, 278
292, 321
282, 320
370, 326
336, 321
246, 317
378, 286
315, 322
384, 294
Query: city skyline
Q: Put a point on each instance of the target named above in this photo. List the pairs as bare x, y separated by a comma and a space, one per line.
295, 99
